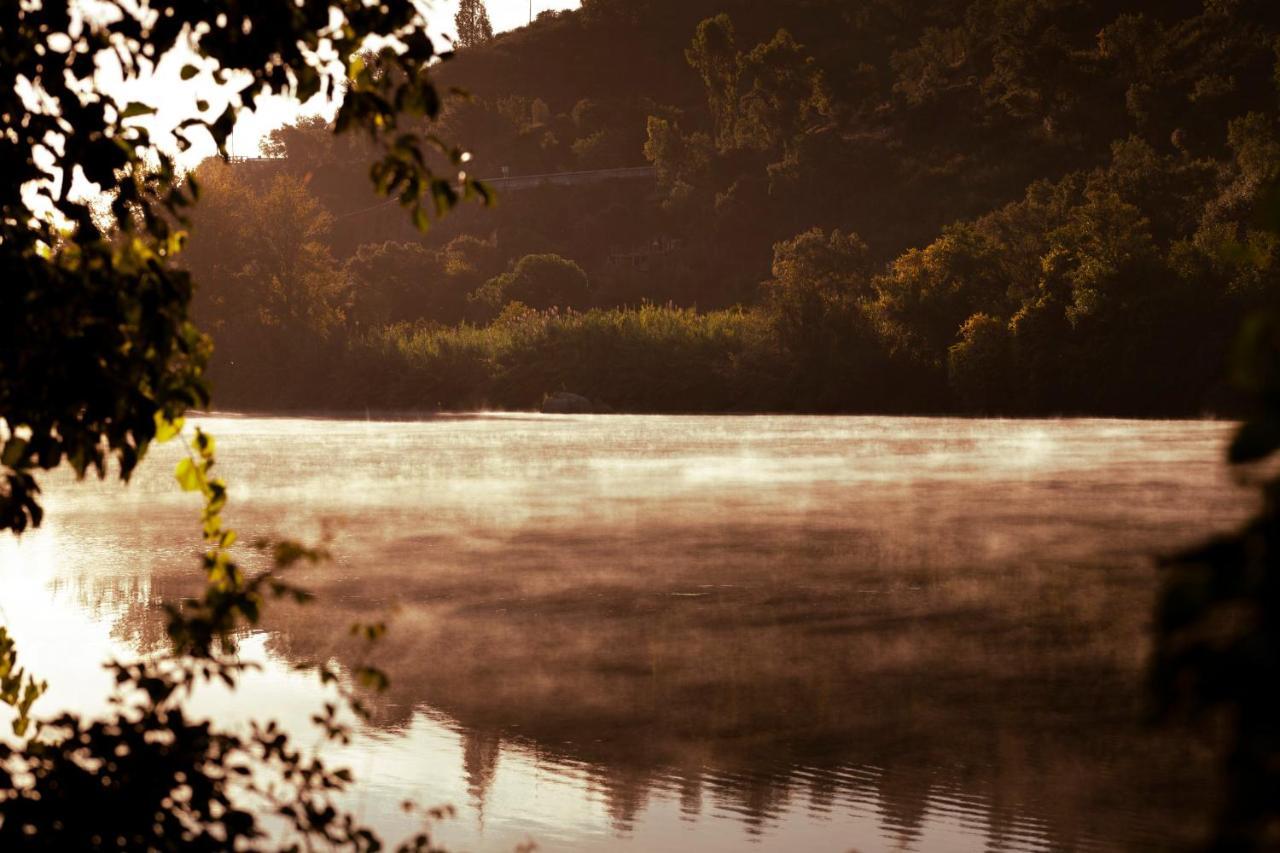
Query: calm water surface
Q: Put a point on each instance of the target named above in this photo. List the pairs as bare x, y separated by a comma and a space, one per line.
657, 633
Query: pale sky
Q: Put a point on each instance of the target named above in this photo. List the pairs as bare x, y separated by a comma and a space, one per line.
167, 91
508, 14
175, 98
504, 15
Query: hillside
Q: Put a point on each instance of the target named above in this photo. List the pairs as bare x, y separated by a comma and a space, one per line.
992, 205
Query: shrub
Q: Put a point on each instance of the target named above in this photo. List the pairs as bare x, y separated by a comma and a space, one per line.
539, 281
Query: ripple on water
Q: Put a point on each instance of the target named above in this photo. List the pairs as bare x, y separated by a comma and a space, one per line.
651, 633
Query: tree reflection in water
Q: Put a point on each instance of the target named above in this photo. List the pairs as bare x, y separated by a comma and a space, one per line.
940, 652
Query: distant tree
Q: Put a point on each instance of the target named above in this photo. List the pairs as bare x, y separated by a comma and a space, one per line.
934, 69
928, 293
588, 114
262, 251
1106, 253
817, 303
1043, 376
468, 254
714, 55
593, 151
539, 113
308, 143
785, 94
679, 159
472, 22
394, 282
517, 109
977, 364
815, 274
539, 281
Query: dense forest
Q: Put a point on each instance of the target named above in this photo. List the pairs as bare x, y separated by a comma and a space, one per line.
1001, 206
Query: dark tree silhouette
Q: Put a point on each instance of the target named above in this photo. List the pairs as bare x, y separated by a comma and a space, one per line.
99, 359
1218, 622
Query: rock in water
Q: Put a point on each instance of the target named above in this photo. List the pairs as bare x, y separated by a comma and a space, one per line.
565, 403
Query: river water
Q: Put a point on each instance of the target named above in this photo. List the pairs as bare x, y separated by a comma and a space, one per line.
711, 633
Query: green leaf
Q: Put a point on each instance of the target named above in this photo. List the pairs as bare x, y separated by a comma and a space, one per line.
205, 444
217, 496
13, 452
167, 430
137, 108
188, 475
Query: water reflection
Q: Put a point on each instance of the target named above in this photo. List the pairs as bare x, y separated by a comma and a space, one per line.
658, 633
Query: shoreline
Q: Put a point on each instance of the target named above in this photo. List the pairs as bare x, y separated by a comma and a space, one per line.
426, 415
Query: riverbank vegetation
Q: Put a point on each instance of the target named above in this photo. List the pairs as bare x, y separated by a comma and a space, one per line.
981, 205
890, 206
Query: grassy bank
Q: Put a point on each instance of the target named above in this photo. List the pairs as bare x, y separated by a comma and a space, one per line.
644, 360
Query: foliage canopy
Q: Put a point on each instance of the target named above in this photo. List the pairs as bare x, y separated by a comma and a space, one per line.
472, 22
99, 358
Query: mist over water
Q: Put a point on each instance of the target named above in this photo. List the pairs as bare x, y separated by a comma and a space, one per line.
641, 633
